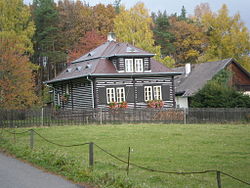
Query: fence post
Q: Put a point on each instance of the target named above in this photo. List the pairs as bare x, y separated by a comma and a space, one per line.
14, 137
42, 117
31, 138
101, 116
185, 116
11, 118
128, 160
218, 179
91, 154
87, 119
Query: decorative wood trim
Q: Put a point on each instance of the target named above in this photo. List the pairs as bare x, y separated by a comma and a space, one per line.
134, 93
173, 90
71, 92
94, 89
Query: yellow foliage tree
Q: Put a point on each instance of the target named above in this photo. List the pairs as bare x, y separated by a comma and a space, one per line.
133, 26
189, 41
15, 21
227, 36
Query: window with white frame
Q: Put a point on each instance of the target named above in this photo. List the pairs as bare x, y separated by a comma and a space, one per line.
138, 65
110, 95
120, 94
129, 65
157, 93
148, 94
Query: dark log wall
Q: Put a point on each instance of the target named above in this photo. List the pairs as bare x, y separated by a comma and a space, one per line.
80, 94
134, 90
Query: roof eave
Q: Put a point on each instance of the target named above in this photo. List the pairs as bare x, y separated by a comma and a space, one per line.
132, 55
134, 75
117, 75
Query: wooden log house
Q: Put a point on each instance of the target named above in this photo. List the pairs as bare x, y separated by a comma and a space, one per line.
114, 72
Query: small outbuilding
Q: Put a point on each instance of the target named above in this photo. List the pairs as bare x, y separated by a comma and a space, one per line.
196, 76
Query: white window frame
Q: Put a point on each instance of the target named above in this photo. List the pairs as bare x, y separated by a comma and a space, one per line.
157, 93
110, 95
138, 65
120, 94
148, 93
129, 65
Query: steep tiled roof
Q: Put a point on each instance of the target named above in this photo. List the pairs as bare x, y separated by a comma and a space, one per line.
200, 74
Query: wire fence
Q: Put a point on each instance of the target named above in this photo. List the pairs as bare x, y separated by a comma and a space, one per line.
218, 173
51, 117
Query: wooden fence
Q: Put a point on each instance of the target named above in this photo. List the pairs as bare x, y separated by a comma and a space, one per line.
49, 116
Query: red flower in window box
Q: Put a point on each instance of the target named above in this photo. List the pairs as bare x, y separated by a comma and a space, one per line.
123, 104
155, 104
113, 105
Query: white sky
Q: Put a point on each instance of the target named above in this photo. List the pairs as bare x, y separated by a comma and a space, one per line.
172, 6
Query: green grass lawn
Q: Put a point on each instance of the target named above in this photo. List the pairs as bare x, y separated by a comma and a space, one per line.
164, 147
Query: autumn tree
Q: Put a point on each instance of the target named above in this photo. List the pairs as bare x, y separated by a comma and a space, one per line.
16, 80
103, 18
91, 40
15, 22
189, 42
79, 22
228, 37
74, 20
134, 26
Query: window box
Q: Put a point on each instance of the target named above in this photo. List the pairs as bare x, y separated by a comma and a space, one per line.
155, 104
115, 105
123, 104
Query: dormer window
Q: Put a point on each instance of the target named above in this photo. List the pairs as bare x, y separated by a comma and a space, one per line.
91, 53
138, 65
134, 65
78, 68
69, 70
129, 67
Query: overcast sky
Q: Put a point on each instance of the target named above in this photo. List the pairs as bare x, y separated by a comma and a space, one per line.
172, 6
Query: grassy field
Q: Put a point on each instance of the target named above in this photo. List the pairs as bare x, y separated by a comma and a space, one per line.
163, 147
